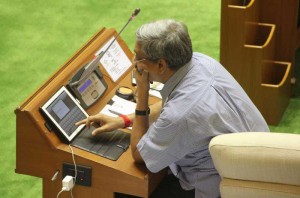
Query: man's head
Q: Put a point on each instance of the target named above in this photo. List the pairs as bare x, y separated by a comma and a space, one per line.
164, 41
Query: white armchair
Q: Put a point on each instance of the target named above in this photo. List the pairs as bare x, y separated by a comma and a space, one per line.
257, 164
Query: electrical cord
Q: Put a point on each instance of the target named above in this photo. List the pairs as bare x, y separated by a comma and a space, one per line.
62, 190
75, 165
75, 176
66, 185
71, 192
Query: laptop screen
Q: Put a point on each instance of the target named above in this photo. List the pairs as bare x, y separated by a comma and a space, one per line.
64, 111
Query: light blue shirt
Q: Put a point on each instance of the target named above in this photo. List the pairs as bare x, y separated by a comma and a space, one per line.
200, 101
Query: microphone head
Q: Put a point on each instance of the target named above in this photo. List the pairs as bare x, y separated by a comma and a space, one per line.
135, 13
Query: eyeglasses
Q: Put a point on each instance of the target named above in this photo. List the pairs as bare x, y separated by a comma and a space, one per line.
139, 60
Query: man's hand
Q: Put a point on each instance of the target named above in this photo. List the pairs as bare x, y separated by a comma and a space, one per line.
103, 123
142, 80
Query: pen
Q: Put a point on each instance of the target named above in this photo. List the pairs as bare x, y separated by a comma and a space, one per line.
114, 112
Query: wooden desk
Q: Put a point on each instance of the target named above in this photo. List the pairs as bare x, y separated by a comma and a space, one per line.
41, 153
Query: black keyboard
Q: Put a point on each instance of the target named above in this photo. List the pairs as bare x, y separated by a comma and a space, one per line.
110, 145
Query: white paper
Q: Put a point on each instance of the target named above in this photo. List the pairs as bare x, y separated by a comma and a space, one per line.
114, 61
155, 93
119, 106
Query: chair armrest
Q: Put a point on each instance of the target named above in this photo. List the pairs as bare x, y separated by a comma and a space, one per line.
258, 156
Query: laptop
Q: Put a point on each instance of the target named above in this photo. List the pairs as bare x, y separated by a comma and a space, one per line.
62, 111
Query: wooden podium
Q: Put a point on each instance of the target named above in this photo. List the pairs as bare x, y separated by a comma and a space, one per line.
41, 153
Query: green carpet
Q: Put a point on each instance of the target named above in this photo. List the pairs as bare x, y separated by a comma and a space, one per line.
38, 36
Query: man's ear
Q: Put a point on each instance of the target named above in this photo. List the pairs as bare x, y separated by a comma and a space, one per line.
162, 65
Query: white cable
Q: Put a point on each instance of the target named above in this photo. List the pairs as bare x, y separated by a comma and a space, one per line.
62, 190
74, 163
72, 192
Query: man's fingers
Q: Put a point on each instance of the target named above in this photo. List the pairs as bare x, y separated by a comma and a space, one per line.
88, 121
97, 131
102, 129
81, 122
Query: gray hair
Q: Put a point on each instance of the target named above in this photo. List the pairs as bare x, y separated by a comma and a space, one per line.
167, 39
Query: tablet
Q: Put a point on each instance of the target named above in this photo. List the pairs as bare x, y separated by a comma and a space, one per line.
64, 111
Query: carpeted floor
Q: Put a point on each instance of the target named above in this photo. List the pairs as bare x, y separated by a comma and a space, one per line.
37, 36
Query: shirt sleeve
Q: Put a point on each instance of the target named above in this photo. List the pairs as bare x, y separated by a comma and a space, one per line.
162, 145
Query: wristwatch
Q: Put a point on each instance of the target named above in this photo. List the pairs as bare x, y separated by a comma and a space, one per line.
142, 113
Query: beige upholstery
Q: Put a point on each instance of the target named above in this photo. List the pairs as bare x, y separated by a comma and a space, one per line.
257, 164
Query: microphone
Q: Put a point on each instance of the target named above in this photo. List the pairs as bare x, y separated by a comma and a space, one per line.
88, 69
135, 13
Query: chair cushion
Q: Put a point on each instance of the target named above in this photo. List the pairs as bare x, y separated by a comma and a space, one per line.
258, 156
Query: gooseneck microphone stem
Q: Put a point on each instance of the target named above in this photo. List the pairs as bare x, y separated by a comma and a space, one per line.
134, 14
94, 63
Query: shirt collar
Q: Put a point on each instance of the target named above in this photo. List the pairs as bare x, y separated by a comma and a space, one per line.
173, 81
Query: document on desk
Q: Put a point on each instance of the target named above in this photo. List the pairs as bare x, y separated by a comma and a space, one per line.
117, 106
114, 61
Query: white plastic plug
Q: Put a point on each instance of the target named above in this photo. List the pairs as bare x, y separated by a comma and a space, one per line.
68, 183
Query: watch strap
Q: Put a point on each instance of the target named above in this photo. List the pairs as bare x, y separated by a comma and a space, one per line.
142, 112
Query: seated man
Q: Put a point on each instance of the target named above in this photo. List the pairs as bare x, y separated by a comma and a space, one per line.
200, 100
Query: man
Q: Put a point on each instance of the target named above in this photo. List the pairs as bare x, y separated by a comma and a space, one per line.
200, 100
